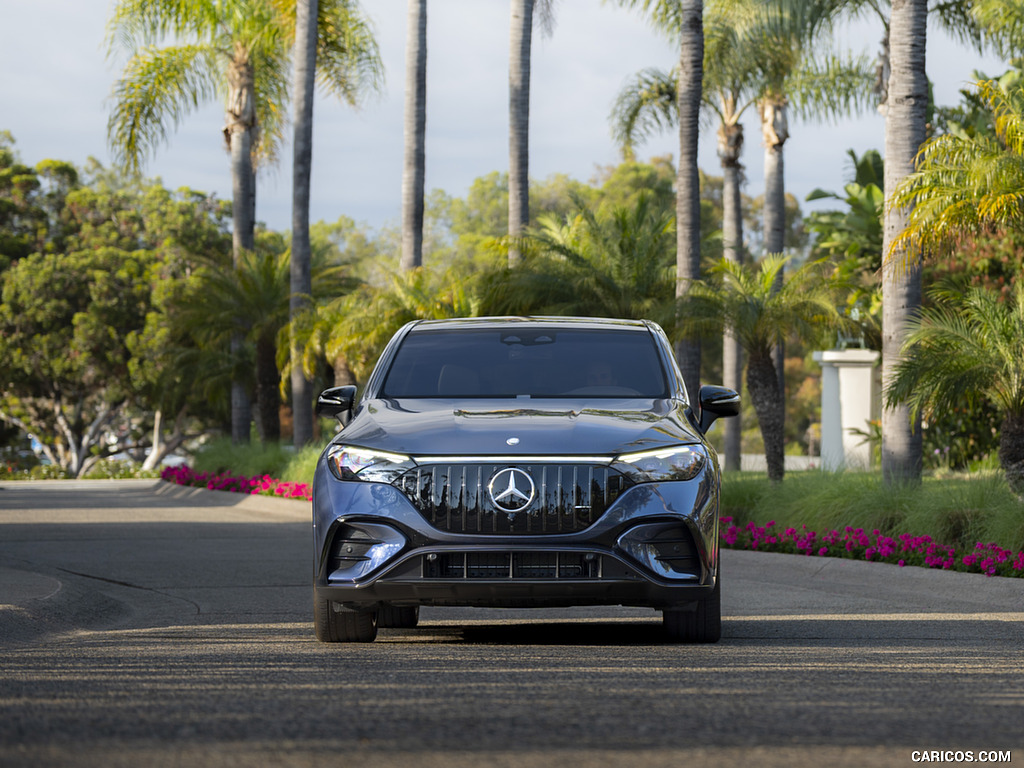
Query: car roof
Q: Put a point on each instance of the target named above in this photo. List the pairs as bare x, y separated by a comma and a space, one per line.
536, 320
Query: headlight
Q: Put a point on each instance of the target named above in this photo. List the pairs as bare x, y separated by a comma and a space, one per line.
677, 462
348, 462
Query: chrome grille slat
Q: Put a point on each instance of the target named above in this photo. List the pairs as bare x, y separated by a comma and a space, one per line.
570, 497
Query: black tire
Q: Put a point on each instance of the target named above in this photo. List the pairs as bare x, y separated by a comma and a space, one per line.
333, 626
702, 625
398, 617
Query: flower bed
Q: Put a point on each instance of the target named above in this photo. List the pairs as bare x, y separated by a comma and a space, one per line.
858, 544
263, 485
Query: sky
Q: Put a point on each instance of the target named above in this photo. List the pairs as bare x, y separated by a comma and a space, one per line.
56, 80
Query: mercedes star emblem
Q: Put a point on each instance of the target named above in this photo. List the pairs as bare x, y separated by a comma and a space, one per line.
511, 491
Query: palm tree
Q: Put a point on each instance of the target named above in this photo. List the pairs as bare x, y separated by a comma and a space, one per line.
238, 50
248, 301
762, 315
520, 41
905, 132
252, 301
614, 263
683, 20
967, 348
301, 281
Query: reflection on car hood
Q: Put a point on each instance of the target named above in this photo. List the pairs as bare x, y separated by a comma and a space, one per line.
476, 427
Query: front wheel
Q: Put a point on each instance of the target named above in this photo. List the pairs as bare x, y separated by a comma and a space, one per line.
703, 625
333, 626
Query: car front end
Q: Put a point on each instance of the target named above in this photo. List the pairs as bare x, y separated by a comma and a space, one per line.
520, 499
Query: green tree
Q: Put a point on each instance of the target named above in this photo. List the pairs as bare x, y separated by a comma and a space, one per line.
649, 104
30, 203
131, 221
65, 320
851, 239
964, 350
748, 300
753, 54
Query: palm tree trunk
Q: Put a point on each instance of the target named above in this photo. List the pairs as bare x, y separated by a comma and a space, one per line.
413, 173
730, 145
521, 29
688, 99
268, 390
905, 131
767, 401
775, 129
1011, 451
239, 130
301, 280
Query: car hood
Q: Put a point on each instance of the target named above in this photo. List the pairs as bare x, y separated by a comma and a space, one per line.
513, 428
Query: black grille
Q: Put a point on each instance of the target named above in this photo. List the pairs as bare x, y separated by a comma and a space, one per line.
512, 565
569, 497
676, 550
350, 547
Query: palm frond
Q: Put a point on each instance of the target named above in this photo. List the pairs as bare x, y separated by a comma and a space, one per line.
830, 85
159, 88
965, 184
965, 348
138, 24
348, 58
644, 107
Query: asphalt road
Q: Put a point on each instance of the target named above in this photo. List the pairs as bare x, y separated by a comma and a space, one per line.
147, 625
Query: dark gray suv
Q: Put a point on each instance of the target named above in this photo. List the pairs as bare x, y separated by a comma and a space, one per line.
519, 462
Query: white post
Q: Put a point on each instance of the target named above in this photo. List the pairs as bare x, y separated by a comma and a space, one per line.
850, 400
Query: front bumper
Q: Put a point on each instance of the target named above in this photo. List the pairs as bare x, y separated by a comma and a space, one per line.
656, 546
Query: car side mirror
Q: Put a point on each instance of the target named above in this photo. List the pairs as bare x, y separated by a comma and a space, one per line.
336, 401
717, 403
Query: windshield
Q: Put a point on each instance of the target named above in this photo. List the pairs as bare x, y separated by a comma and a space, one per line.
526, 361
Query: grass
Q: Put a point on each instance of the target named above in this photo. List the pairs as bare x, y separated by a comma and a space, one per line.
255, 459
953, 509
